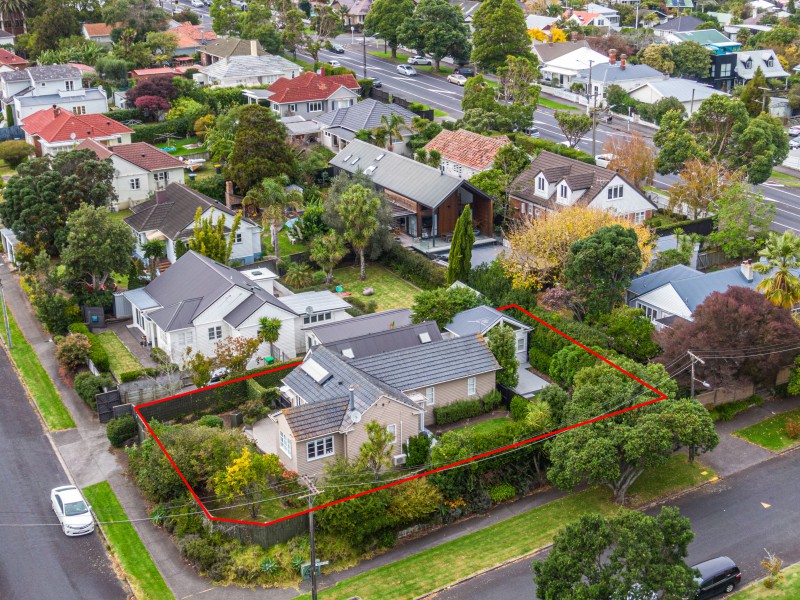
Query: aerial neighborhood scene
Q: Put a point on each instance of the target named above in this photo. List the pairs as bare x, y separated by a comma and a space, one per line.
400, 299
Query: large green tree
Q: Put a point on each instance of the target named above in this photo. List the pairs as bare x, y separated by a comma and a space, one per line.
460, 257
503, 344
658, 56
600, 268
691, 60
327, 250
741, 221
43, 193
518, 75
630, 333
754, 96
58, 20
499, 31
629, 555
385, 18
573, 125
272, 198
437, 28
143, 16
260, 149
358, 209
442, 304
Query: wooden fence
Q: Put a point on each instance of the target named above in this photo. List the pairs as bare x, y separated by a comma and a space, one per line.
264, 536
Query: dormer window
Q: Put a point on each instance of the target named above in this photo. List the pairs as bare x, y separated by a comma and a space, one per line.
748, 64
563, 194
768, 62
541, 183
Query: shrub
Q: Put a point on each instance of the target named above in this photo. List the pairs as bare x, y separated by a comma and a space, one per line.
417, 450
414, 267
210, 421
726, 412
55, 311
15, 152
159, 356
73, 351
129, 376
501, 492
126, 114
364, 306
793, 428
79, 328
491, 400
120, 430
88, 385
463, 409
149, 132
99, 356
519, 408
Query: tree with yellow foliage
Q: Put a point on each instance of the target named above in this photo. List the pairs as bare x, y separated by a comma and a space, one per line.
539, 247
247, 476
633, 157
540, 36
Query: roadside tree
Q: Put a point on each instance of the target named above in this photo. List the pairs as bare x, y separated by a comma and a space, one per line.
436, 28
499, 32
741, 221
573, 125
634, 158
385, 18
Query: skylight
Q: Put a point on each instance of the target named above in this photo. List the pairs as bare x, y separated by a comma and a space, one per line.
314, 370
424, 337
370, 170
348, 353
380, 156
355, 160
348, 157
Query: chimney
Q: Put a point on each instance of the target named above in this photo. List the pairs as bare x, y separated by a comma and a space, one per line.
549, 39
747, 270
56, 110
352, 405
441, 169
569, 13
612, 56
666, 75
253, 47
574, 37
622, 61
229, 193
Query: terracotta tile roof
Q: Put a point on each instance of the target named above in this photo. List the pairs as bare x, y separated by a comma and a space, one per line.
99, 29
581, 16
192, 35
154, 71
309, 86
57, 125
140, 154
467, 148
82, 67
11, 59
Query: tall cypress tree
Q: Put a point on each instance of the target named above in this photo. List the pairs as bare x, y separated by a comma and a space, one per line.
460, 258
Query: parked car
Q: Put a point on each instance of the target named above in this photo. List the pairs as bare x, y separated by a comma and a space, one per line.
717, 576
795, 143
198, 3
603, 160
376, 83
794, 130
532, 131
419, 60
72, 510
406, 70
337, 49
465, 71
334, 63
457, 78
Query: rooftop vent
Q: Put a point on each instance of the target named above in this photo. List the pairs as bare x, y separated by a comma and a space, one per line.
370, 170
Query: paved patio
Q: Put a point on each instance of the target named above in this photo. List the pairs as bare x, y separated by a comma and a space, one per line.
265, 434
529, 382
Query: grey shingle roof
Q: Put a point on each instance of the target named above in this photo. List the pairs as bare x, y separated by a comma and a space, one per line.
313, 420
429, 364
548, 52
646, 283
369, 344
405, 176
45, 73
478, 320
319, 301
250, 66
683, 89
365, 324
687, 23
363, 115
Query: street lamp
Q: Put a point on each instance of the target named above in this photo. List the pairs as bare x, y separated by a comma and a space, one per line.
5, 316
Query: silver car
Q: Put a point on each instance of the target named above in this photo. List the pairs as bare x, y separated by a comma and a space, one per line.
72, 511
406, 70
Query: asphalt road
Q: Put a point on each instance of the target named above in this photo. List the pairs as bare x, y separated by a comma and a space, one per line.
737, 517
36, 559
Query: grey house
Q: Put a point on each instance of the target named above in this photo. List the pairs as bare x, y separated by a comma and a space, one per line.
397, 338
339, 126
482, 319
329, 333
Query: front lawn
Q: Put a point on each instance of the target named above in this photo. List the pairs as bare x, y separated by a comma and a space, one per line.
547, 103
119, 357
180, 146
38, 381
488, 426
284, 243
120, 215
403, 60
788, 589
391, 291
126, 544
771, 433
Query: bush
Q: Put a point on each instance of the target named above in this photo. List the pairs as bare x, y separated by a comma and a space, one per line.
79, 328
792, 428
519, 408
99, 356
726, 412
88, 385
15, 152
129, 376
502, 492
364, 306
126, 114
417, 450
159, 356
73, 351
463, 409
212, 186
149, 132
535, 145
414, 267
120, 430
539, 360
210, 421
491, 400
55, 312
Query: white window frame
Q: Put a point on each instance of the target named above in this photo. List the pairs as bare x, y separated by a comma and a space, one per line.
541, 184
79, 110
521, 343
161, 176
639, 217
315, 106
430, 395
318, 445
285, 443
69, 85
293, 108
472, 386
237, 239
392, 429
615, 192
215, 333
135, 183
725, 70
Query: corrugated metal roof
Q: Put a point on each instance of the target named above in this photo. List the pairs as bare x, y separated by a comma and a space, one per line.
683, 89
141, 299
667, 299
380, 321
405, 176
479, 320
369, 344
319, 301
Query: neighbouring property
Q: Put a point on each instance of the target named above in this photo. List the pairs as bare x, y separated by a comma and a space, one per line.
425, 201
310, 94
465, 153
616, 72
247, 70
340, 125
689, 93
140, 170
56, 129
553, 181
169, 216
563, 62
331, 333
482, 319
222, 48
198, 302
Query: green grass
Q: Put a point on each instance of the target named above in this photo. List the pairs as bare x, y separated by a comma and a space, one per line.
788, 589
284, 243
270, 510
38, 381
449, 562
126, 545
391, 291
119, 357
439, 113
547, 103
783, 178
5, 169
179, 144
403, 60
121, 214
676, 475
771, 433
488, 426
306, 65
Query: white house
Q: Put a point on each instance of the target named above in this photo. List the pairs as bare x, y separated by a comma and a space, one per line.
339, 126
140, 170
749, 61
621, 73
482, 319
562, 62
98, 32
35, 88
553, 181
169, 216
55, 130
690, 93
465, 153
247, 71
310, 95
198, 302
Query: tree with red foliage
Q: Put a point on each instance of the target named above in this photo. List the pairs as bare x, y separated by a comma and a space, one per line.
151, 104
731, 333
158, 85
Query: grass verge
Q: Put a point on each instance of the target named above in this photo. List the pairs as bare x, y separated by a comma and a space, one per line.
784, 179
403, 60
547, 103
771, 433
454, 560
126, 544
439, 113
788, 589
120, 358
391, 291
41, 387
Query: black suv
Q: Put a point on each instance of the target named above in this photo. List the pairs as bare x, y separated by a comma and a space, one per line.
717, 576
465, 71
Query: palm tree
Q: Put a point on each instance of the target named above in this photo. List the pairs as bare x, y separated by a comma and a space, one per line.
153, 250
298, 275
782, 253
271, 199
394, 125
269, 330
11, 9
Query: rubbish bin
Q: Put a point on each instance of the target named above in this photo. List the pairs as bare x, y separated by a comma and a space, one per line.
236, 419
269, 360
192, 176
218, 169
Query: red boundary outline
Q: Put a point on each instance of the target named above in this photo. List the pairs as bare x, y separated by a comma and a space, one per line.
660, 396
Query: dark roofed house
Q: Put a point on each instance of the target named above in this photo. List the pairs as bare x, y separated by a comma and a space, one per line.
330, 333
684, 23
222, 48
340, 125
396, 338
482, 319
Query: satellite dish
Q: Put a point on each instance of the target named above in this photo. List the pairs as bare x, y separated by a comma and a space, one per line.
355, 416
309, 310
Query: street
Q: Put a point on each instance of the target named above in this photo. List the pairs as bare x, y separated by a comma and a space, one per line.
36, 559
737, 517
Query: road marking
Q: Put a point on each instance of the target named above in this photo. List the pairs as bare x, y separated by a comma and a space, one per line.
765, 505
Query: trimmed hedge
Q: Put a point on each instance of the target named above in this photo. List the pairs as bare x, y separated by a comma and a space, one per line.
97, 354
120, 430
151, 131
125, 114
414, 267
463, 409
519, 408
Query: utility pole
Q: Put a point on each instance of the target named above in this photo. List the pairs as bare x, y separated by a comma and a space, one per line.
364, 33
694, 360
312, 491
764, 97
5, 316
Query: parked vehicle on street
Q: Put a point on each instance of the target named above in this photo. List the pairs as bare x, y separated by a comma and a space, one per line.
465, 71
603, 160
717, 576
419, 60
198, 3
795, 143
457, 78
406, 70
532, 131
338, 49
72, 511
794, 130
376, 83
334, 63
